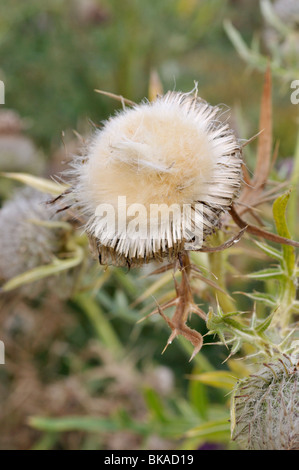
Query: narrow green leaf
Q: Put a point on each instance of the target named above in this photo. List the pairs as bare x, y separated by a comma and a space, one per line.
219, 428
267, 299
269, 250
236, 346
293, 202
269, 273
153, 288
155, 405
238, 368
279, 213
46, 441
198, 395
41, 272
218, 379
73, 423
100, 322
36, 182
265, 324
237, 40
52, 224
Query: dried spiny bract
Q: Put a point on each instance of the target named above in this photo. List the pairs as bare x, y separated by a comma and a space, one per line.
265, 409
175, 151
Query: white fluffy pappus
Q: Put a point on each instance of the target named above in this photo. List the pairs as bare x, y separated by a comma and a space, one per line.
175, 150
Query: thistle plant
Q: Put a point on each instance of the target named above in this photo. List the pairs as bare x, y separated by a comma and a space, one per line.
175, 149
178, 150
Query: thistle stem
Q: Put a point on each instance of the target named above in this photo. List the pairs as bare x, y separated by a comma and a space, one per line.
217, 266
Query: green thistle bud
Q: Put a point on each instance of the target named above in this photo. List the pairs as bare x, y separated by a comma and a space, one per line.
265, 408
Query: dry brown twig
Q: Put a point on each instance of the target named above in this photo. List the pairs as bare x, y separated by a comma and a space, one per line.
185, 306
254, 193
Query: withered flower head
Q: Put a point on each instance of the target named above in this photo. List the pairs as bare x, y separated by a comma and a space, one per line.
175, 152
27, 243
23, 243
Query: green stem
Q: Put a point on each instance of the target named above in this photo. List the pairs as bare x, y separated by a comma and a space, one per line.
217, 266
282, 315
293, 202
287, 296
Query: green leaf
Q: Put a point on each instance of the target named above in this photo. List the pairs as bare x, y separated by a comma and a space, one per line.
153, 288
269, 250
52, 224
125, 420
267, 299
238, 368
41, 184
41, 272
155, 405
198, 395
237, 40
73, 423
279, 214
269, 273
99, 321
293, 202
46, 441
237, 343
265, 324
213, 429
218, 379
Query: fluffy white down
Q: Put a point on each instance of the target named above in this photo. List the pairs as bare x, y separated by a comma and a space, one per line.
175, 150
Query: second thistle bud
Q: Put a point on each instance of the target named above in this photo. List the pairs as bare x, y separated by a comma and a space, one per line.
265, 408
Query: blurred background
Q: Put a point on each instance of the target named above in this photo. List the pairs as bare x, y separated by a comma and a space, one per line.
80, 372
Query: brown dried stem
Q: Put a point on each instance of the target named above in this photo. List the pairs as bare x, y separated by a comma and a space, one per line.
254, 230
184, 307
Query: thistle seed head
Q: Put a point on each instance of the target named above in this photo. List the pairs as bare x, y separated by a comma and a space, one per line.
175, 151
25, 243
